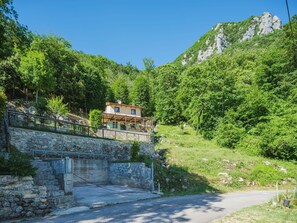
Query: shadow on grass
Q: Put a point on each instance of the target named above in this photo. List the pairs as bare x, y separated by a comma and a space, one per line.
177, 180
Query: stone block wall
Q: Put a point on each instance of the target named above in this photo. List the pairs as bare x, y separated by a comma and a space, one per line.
19, 197
131, 174
112, 150
124, 135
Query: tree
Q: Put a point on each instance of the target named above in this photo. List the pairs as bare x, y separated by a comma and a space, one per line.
149, 64
120, 89
64, 62
57, 107
36, 72
167, 110
141, 94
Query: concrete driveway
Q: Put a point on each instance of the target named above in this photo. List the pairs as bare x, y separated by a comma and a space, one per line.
94, 196
196, 208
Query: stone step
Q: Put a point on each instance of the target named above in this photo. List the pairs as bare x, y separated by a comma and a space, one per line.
45, 177
55, 193
62, 202
52, 188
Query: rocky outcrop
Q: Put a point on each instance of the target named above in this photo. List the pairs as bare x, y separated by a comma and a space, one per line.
219, 39
265, 24
268, 23
219, 45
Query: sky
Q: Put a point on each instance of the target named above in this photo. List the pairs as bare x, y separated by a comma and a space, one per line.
130, 30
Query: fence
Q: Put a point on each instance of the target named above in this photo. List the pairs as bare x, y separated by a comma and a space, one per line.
23, 120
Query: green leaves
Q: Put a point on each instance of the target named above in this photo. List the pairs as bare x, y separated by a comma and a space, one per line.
95, 118
57, 107
36, 72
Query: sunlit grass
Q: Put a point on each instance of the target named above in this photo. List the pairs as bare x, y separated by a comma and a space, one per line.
225, 169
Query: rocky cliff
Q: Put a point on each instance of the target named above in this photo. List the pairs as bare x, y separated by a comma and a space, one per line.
224, 35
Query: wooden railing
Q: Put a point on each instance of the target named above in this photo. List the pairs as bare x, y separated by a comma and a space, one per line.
24, 120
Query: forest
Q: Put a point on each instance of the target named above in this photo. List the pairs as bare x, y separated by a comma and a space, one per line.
244, 98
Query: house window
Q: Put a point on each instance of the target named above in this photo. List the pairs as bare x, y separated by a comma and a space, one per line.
133, 112
117, 109
114, 125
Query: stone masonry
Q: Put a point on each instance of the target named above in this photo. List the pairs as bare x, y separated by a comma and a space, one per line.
25, 140
19, 197
131, 174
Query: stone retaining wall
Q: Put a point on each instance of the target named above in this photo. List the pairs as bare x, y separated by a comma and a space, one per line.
131, 174
25, 140
19, 197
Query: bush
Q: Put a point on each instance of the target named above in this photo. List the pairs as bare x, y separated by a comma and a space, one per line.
41, 106
2, 104
265, 174
134, 151
279, 137
4, 169
228, 134
19, 164
250, 144
57, 107
95, 118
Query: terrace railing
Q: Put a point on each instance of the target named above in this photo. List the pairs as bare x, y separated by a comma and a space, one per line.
49, 124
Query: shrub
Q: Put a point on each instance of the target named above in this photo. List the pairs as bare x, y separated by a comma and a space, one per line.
250, 144
19, 164
228, 134
134, 151
265, 174
2, 104
41, 106
4, 169
57, 107
95, 118
279, 138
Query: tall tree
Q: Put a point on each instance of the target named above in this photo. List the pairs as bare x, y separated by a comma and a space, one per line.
36, 72
141, 94
148, 63
167, 110
121, 90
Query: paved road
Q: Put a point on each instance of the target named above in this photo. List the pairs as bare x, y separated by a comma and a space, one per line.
196, 208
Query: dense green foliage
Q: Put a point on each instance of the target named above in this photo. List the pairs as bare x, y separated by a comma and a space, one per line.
141, 94
2, 104
18, 164
95, 118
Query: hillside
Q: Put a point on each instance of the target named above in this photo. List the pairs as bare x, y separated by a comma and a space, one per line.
224, 35
195, 165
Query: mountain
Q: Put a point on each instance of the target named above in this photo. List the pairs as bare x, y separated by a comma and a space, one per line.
223, 35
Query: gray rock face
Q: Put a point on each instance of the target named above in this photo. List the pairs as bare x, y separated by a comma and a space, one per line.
268, 23
220, 44
259, 25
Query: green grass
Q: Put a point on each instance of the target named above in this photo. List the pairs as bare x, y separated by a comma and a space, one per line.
262, 214
197, 165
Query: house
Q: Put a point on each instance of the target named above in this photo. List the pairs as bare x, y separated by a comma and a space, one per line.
125, 117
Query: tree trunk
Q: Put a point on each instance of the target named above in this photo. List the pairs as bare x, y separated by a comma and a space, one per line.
36, 96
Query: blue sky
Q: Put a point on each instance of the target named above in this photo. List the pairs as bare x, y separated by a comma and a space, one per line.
129, 30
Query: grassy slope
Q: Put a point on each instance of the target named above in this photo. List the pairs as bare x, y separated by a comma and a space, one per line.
262, 213
195, 157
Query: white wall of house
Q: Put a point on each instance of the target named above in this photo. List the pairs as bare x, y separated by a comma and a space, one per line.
125, 110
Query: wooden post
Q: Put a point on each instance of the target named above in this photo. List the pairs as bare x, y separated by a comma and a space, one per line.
55, 124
